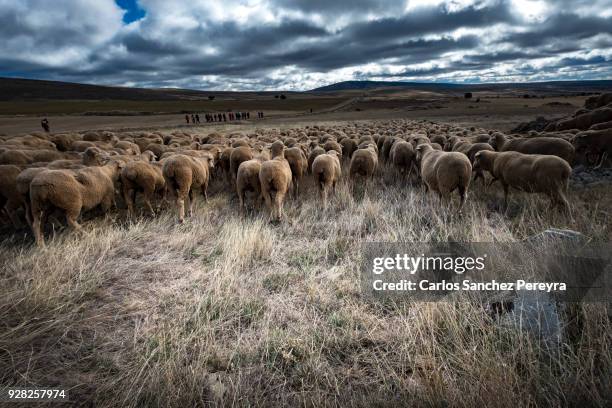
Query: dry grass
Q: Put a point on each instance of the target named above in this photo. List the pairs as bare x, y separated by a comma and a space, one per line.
237, 311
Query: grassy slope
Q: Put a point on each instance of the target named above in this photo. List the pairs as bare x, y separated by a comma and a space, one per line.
239, 311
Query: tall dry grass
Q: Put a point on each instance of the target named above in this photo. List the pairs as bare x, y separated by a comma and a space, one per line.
225, 310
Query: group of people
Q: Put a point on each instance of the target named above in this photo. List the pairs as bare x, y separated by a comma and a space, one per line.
194, 118
221, 117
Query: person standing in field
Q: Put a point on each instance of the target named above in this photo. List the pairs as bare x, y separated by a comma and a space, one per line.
197, 118
187, 118
45, 125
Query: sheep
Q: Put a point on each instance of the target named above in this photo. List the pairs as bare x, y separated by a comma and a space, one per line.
313, 154
9, 197
593, 143
440, 139
471, 153
157, 149
238, 155
23, 157
128, 147
224, 164
107, 137
365, 138
327, 171
182, 174
240, 143
31, 142
364, 162
298, 164
444, 172
403, 156
247, 179
333, 145
72, 191
275, 179
387, 145
64, 141
348, 147
586, 120
532, 173
535, 145
141, 176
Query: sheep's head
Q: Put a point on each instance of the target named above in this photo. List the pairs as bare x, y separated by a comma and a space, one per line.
334, 153
421, 150
94, 156
483, 160
149, 156
277, 148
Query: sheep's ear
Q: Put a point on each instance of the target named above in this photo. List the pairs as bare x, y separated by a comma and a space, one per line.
477, 155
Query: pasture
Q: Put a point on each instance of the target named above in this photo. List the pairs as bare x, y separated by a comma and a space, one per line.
232, 309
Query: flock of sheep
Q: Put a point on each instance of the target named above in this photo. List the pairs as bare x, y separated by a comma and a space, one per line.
76, 172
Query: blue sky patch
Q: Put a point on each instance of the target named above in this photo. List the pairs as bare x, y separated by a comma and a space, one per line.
133, 12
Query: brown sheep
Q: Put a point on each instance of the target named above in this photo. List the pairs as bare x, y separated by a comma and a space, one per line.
532, 173
403, 156
107, 137
535, 145
23, 157
128, 147
141, 176
593, 146
72, 191
64, 141
23, 181
387, 145
275, 179
247, 179
471, 154
9, 196
333, 145
316, 151
183, 174
298, 164
348, 147
364, 162
586, 120
365, 138
238, 155
240, 143
157, 149
444, 172
327, 171
224, 164
439, 139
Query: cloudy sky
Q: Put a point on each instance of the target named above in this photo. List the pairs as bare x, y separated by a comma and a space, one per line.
303, 44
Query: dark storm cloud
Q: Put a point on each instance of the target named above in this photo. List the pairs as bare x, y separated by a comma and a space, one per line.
562, 27
302, 43
427, 21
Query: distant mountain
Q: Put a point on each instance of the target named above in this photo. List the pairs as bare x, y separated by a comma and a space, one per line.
356, 85
28, 89
553, 86
18, 89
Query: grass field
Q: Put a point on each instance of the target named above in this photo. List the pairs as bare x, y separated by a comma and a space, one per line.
237, 311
